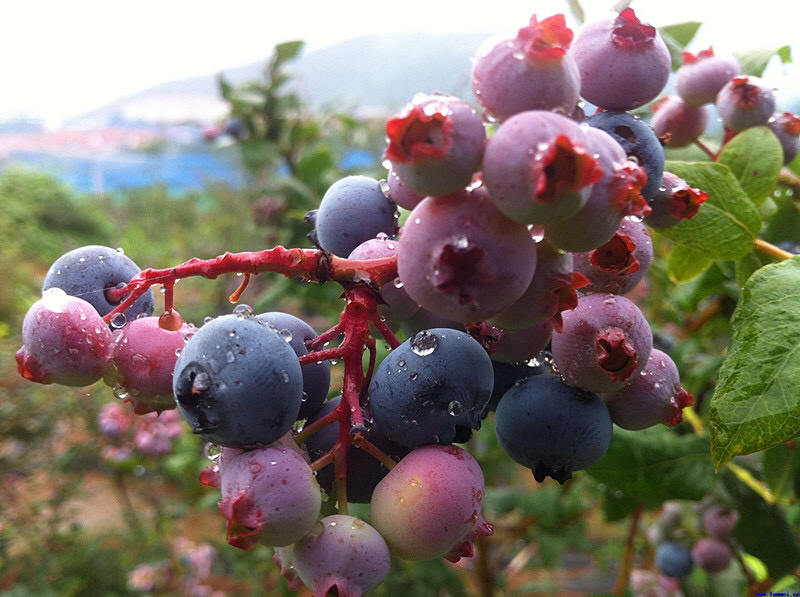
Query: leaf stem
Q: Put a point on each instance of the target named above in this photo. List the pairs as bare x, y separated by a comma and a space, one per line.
771, 250
748, 479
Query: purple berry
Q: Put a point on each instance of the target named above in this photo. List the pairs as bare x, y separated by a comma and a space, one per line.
552, 289
745, 102
400, 193
615, 196
435, 144
64, 341
605, 342
786, 127
397, 305
618, 265
653, 396
538, 169
269, 496
674, 201
343, 553
430, 503
712, 555
462, 259
677, 123
532, 71
719, 522
623, 62
142, 362
701, 76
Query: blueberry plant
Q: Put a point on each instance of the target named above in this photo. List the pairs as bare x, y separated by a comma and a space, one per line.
503, 261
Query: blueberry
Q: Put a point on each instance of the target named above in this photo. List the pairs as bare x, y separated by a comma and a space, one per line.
552, 428
238, 383
432, 389
638, 140
674, 559
353, 209
89, 272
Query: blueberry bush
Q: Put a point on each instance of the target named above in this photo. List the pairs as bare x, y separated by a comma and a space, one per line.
567, 302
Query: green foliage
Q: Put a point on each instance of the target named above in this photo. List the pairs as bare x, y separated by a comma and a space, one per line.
756, 404
654, 465
724, 227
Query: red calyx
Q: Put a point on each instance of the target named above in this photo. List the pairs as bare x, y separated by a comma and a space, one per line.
455, 270
689, 58
563, 166
566, 291
616, 256
29, 368
790, 123
684, 203
617, 356
630, 32
677, 403
747, 95
418, 133
548, 40
629, 179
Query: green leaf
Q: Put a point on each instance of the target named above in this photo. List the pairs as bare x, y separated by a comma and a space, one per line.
781, 465
683, 33
686, 263
656, 464
754, 62
762, 530
755, 157
756, 403
577, 10
726, 224
288, 50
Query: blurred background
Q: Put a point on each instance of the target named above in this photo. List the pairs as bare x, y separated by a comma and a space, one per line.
186, 129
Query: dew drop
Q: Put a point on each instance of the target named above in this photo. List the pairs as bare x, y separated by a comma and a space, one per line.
230, 357
208, 319
455, 408
118, 320
120, 251
424, 343
243, 310
120, 393
212, 451
398, 283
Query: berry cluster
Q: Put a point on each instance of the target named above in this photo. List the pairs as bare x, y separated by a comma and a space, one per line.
525, 225
703, 539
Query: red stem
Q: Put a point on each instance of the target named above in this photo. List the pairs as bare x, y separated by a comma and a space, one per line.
361, 280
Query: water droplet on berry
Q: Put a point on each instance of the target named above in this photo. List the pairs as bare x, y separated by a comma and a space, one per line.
424, 343
212, 451
208, 319
230, 357
455, 408
243, 310
118, 320
398, 283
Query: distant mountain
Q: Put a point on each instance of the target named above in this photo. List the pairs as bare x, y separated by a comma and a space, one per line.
380, 72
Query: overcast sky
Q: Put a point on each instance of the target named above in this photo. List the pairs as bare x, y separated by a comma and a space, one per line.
63, 58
